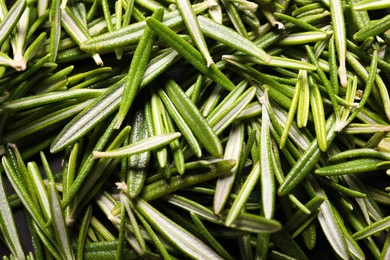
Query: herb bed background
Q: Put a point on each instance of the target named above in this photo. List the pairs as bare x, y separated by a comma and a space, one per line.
194, 129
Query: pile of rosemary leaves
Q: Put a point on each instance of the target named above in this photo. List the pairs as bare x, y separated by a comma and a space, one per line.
215, 129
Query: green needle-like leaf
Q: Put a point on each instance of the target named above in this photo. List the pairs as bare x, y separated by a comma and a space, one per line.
191, 22
11, 19
147, 144
8, 225
243, 195
189, 53
99, 110
225, 183
48, 98
339, 29
59, 222
307, 161
190, 113
366, 5
231, 38
185, 241
267, 178
137, 69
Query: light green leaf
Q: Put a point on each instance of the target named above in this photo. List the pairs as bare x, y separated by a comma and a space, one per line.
147, 144
233, 150
231, 38
95, 113
59, 225
243, 195
373, 228
8, 226
185, 241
